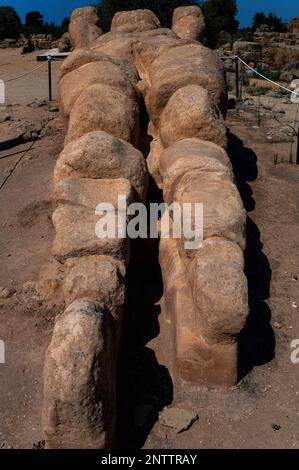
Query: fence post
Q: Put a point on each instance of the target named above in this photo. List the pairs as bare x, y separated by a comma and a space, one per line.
50, 77
237, 76
297, 155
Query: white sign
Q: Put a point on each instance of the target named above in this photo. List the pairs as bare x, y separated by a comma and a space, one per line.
2, 352
295, 94
2, 92
295, 353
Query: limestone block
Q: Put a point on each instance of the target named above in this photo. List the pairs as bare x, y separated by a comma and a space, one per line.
191, 112
103, 108
100, 155
75, 219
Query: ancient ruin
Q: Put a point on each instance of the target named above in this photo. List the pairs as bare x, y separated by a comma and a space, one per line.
110, 84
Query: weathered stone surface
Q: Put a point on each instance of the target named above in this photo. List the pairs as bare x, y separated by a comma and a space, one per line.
205, 364
153, 161
189, 64
84, 27
177, 418
102, 72
120, 45
27, 47
188, 155
134, 21
191, 112
41, 291
83, 34
189, 23
99, 278
89, 192
147, 50
64, 44
51, 270
79, 378
75, 219
248, 51
41, 41
6, 292
137, 36
84, 55
74, 238
102, 107
195, 360
143, 87
86, 12
220, 290
100, 155
223, 211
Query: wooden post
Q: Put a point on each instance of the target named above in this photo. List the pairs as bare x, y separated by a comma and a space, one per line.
50, 78
237, 77
297, 155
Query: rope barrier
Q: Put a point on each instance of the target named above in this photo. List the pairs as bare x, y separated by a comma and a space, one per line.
16, 164
268, 79
27, 73
237, 57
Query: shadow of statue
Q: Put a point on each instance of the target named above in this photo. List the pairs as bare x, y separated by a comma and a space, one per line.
257, 339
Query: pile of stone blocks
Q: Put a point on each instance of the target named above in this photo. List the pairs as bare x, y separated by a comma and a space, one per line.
101, 87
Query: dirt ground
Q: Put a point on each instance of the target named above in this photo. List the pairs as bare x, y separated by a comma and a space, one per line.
263, 411
26, 170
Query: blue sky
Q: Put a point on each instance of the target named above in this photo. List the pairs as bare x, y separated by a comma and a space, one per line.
56, 10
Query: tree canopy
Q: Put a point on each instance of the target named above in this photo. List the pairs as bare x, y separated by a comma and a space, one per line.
34, 19
34, 24
274, 22
162, 8
220, 16
10, 23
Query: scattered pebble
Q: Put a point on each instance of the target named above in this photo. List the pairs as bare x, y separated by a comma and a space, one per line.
277, 325
38, 103
40, 291
4, 117
178, 419
38, 445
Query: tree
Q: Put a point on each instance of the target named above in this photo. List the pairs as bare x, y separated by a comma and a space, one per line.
163, 9
220, 15
65, 25
34, 19
271, 20
10, 23
34, 23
